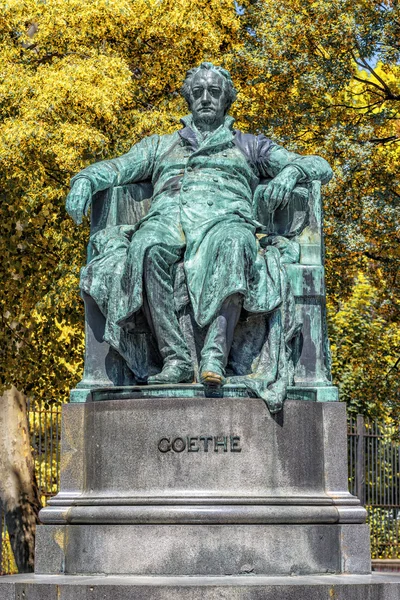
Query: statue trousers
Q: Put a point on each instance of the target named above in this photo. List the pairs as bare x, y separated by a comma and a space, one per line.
159, 308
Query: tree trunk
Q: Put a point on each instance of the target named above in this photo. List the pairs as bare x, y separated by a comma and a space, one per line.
18, 490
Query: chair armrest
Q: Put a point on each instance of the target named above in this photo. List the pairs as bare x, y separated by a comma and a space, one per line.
300, 220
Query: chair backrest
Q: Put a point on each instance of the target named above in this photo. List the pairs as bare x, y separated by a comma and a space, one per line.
121, 205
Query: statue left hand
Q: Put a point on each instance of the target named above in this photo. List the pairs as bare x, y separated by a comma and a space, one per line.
278, 191
79, 200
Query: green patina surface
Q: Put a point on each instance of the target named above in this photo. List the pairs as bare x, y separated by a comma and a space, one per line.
310, 394
208, 242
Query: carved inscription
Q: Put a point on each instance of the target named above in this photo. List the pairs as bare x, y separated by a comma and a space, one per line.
201, 443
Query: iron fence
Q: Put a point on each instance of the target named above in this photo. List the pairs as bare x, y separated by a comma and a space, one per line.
386, 565
374, 476
45, 430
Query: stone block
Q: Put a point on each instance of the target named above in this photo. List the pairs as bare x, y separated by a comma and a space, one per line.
204, 550
355, 549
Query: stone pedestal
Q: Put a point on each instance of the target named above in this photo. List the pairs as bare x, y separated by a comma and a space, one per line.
203, 499
203, 486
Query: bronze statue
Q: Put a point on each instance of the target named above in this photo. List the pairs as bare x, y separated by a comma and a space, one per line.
203, 216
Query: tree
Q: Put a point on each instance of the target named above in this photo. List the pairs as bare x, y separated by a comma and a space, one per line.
18, 490
332, 87
364, 352
80, 82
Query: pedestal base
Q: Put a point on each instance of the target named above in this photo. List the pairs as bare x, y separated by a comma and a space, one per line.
379, 586
203, 486
203, 549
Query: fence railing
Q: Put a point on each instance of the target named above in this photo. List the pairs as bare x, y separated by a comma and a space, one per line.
374, 476
45, 429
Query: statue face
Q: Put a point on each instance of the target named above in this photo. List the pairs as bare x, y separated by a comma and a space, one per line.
208, 98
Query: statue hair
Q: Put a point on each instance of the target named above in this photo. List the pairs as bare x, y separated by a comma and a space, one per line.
229, 88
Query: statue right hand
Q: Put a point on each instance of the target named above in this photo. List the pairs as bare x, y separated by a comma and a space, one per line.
79, 199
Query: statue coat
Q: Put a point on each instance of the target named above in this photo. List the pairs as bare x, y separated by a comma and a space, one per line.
203, 199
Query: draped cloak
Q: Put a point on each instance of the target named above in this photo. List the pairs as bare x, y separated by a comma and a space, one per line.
203, 193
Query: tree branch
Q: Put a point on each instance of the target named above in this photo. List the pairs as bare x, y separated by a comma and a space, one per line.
364, 64
16, 335
366, 81
396, 364
367, 106
387, 140
382, 259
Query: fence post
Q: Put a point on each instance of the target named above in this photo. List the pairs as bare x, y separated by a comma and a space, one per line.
360, 464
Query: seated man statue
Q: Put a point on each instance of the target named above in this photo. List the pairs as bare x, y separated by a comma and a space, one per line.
204, 177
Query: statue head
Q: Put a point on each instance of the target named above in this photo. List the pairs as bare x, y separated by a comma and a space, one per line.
209, 92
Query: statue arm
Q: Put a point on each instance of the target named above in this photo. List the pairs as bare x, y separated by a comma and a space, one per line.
287, 169
135, 165
310, 167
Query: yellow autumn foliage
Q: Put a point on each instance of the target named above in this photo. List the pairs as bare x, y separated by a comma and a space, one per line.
83, 81
365, 350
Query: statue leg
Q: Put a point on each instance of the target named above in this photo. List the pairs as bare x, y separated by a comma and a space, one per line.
218, 342
160, 312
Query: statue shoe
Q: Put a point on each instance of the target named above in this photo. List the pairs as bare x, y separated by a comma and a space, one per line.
172, 374
212, 378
